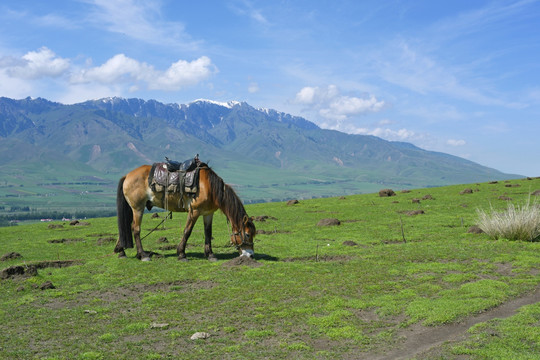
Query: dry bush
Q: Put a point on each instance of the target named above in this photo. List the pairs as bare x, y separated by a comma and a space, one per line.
514, 223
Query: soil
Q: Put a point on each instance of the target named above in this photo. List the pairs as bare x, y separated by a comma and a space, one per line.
242, 260
386, 193
328, 222
415, 212
61, 241
10, 256
31, 269
425, 342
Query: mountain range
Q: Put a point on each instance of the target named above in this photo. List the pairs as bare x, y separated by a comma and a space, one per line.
264, 153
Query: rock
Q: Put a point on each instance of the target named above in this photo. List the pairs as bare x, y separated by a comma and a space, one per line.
200, 335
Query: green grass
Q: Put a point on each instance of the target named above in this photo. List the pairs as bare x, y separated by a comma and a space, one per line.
312, 298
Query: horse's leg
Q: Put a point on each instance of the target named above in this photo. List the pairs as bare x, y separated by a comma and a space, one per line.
137, 220
191, 220
208, 237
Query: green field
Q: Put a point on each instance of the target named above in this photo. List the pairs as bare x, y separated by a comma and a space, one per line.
382, 284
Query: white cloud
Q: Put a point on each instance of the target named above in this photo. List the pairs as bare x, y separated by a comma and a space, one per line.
332, 105
35, 65
140, 20
43, 72
453, 142
389, 134
122, 69
183, 73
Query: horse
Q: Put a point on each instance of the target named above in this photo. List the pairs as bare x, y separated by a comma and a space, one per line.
134, 194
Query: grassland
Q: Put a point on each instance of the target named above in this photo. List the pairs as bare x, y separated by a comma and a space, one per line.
382, 284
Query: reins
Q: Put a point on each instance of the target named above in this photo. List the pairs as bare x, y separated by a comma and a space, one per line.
158, 225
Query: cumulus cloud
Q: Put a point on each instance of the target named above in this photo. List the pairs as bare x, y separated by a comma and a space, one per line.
121, 68
35, 64
331, 104
41, 71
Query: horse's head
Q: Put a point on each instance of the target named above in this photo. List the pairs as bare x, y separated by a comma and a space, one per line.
244, 237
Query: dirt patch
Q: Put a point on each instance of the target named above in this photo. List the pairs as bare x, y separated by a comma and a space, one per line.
466, 191
292, 202
329, 222
263, 218
270, 232
536, 193
349, 243
105, 240
424, 342
62, 241
78, 223
10, 256
414, 212
55, 226
319, 258
31, 269
242, 260
386, 193
475, 229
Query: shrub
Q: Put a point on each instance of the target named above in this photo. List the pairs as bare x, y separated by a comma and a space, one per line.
514, 223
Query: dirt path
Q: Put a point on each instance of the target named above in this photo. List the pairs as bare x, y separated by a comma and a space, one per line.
420, 339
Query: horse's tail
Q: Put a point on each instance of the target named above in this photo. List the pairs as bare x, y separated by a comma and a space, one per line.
125, 218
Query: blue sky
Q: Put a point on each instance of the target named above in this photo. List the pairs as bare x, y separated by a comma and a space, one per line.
460, 77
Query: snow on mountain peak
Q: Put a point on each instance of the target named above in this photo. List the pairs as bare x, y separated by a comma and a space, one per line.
229, 104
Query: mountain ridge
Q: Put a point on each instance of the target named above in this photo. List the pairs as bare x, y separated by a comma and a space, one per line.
266, 153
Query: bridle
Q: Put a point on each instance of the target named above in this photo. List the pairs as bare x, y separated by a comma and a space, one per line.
245, 237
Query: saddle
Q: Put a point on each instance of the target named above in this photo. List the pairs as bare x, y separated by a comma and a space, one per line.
175, 177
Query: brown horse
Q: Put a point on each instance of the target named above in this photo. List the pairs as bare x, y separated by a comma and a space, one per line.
134, 194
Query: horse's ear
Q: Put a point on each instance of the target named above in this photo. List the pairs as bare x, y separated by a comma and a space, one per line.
246, 219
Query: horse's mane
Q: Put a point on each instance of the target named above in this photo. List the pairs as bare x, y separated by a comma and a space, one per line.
227, 199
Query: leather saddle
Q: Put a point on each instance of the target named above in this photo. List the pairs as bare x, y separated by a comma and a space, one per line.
174, 176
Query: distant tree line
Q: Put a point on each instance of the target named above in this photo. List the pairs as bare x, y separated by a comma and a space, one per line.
6, 220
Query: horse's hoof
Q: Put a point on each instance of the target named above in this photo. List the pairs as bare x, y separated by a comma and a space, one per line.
122, 255
146, 259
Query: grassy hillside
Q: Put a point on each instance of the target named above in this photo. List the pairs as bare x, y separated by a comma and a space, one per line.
382, 284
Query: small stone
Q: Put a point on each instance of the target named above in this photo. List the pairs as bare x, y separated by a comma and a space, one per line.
200, 335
